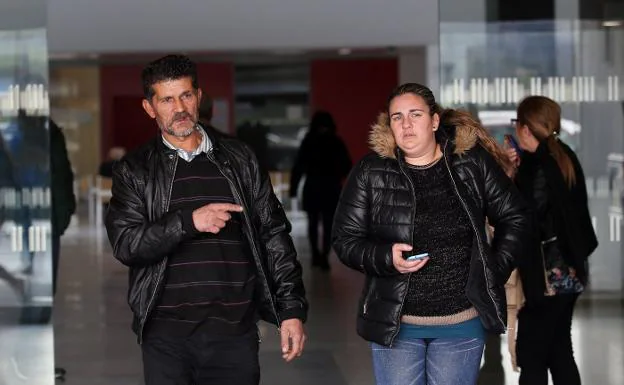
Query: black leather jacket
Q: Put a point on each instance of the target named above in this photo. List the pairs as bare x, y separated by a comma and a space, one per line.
376, 211
143, 231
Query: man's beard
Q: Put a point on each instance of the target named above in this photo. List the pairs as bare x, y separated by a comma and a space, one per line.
179, 134
171, 131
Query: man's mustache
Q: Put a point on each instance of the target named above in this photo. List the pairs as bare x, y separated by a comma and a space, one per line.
181, 115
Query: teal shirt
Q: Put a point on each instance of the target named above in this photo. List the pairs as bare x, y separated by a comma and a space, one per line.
468, 329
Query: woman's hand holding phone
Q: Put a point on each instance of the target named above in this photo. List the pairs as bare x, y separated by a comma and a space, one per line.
513, 154
403, 265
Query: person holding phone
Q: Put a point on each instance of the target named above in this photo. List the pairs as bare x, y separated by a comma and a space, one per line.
513, 153
555, 273
412, 218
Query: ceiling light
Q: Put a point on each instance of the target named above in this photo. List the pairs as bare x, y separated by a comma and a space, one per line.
612, 23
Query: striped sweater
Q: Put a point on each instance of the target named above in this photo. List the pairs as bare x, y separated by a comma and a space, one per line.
210, 278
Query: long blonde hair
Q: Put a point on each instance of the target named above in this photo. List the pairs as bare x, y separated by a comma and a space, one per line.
543, 118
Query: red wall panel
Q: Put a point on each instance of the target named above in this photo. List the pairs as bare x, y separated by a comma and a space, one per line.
120, 87
354, 91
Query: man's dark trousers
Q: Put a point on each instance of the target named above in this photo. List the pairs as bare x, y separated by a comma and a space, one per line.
202, 360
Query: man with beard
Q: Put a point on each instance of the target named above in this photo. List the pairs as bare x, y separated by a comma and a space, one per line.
207, 243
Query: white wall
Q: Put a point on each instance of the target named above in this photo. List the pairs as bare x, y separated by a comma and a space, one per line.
463, 10
420, 65
159, 25
22, 14
413, 65
567, 9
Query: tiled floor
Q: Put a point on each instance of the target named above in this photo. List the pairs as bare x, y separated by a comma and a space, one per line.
94, 342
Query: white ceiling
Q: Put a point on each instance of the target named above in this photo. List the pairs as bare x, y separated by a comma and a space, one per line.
111, 26
22, 14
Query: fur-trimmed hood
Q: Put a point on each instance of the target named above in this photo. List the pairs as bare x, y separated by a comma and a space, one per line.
459, 127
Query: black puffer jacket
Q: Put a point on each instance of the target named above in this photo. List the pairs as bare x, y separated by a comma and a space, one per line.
143, 231
376, 211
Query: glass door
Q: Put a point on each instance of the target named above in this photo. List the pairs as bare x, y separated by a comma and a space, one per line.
26, 340
489, 67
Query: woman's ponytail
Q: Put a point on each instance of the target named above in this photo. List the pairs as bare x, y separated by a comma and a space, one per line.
563, 160
542, 116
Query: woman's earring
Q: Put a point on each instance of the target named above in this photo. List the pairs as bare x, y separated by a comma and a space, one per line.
435, 128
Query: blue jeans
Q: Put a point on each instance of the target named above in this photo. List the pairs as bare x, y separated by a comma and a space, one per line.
435, 361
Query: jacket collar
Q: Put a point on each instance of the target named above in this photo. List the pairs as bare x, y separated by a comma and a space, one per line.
205, 146
381, 139
541, 153
457, 138
214, 137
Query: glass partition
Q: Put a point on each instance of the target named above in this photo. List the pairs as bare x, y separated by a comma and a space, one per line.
489, 67
26, 339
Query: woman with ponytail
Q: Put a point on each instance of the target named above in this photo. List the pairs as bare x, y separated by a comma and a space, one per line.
412, 218
551, 179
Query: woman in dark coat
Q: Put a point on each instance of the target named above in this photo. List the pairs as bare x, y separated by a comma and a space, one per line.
324, 160
551, 179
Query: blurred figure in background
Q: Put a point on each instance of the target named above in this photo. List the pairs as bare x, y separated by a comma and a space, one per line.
324, 160
206, 111
255, 136
106, 167
551, 179
30, 155
38, 159
63, 198
63, 201
206, 115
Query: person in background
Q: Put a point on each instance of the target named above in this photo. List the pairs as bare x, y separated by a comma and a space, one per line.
30, 155
324, 160
256, 137
62, 187
206, 111
63, 201
206, 114
551, 179
114, 155
207, 243
412, 218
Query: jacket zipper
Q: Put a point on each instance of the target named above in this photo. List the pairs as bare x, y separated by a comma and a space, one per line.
239, 200
409, 276
487, 284
142, 326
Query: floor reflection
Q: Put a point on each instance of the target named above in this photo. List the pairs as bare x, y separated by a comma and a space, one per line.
94, 342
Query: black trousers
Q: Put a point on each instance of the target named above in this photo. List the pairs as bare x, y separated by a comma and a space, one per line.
314, 217
544, 342
201, 360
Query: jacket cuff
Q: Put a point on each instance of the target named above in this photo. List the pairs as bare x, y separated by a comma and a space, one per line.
188, 228
294, 312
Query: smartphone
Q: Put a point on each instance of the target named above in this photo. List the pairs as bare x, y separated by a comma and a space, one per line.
414, 257
513, 143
